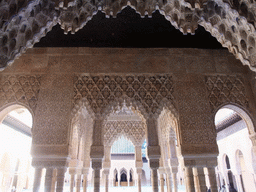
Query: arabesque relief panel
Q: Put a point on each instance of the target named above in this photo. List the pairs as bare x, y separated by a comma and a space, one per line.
103, 76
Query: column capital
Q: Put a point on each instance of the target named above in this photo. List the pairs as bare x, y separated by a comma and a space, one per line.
50, 162
96, 163
201, 161
154, 163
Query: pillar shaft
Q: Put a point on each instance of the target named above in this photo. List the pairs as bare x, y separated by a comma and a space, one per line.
162, 182
175, 182
200, 184
72, 178
60, 179
106, 182
78, 182
37, 179
169, 182
84, 182
139, 182
54, 178
48, 179
189, 179
212, 179
154, 179
96, 183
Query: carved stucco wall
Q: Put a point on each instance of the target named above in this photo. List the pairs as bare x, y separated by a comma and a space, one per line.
147, 91
231, 22
166, 76
133, 130
22, 89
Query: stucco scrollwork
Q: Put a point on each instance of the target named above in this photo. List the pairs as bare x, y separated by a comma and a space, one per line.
20, 88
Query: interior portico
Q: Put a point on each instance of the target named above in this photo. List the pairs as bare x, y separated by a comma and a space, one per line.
83, 99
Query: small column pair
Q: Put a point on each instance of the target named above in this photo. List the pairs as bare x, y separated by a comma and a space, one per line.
195, 179
49, 176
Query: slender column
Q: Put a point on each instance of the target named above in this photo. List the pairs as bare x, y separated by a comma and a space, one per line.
153, 150
78, 182
96, 165
97, 151
212, 179
162, 182
189, 179
139, 182
238, 183
175, 182
119, 178
200, 185
37, 179
54, 178
60, 179
154, 179
106, 172
85, 182
169, 182
72, 182
48, 180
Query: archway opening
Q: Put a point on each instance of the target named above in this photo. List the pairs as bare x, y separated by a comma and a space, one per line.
16, 172
233, 126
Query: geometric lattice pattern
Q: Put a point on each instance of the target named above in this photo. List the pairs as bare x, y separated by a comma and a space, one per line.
148, 90
132, 130
226, 89
21, 88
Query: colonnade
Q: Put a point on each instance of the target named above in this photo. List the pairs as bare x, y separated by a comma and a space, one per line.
54, 179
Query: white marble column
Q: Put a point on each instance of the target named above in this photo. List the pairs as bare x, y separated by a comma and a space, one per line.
139, 182
72, 180
238, 183
162, 182
48, 179
37, 179
153, 150
169, 182
78, 182
189, 179
175, 182
96, 165
60, 178
85, 179
54, 179
212, 179
154, 179
200, 184
106, 173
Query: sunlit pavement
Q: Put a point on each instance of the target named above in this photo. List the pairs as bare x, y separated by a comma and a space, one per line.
181, 188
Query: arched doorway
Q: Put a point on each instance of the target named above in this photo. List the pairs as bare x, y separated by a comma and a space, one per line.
233, 126
16, 172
